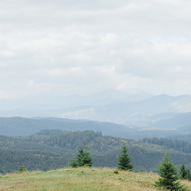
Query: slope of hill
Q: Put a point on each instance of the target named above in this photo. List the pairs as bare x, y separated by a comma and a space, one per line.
81, 179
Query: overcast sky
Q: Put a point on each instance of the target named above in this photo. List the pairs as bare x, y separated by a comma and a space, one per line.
81, 47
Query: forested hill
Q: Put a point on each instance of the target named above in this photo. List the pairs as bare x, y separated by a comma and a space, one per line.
185, 137
53, 149
178, 145
19, 126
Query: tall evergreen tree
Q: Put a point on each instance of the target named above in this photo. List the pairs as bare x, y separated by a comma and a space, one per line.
124, 159
83, 158
168, 175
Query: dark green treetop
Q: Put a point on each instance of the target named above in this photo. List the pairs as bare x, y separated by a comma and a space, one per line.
83, 158
188, 175
168, 175
74, 163
21, 169
124, 159
183, 172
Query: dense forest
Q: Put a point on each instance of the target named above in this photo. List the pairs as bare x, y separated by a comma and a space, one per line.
175, 144
53, 149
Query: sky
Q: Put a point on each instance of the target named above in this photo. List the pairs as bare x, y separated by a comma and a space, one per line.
84, 47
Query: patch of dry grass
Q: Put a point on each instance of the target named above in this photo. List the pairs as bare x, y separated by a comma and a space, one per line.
81, 179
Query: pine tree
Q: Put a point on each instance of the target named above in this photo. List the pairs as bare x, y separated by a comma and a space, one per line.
183, 172
80, 156
168, 175
188, 175
74, 163
87, 159
83, 158
124, 160
21, 169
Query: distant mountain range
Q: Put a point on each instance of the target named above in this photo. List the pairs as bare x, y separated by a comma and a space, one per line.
18, 126
134, 112
113, 113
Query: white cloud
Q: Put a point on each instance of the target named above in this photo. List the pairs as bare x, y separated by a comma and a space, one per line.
80, 47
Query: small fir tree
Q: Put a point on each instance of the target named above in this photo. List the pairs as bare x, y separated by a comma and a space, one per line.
168, 175
124, 160
183, 172
188, 175
83, 158
74, 163
87, 159
21, 169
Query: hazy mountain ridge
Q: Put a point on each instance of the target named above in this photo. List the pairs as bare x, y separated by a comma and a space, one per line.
18, 126
113, 113
142, 113
141, 103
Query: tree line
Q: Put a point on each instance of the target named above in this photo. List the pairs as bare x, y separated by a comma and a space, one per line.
167, 170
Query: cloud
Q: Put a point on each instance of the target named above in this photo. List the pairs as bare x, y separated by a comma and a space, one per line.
81, 47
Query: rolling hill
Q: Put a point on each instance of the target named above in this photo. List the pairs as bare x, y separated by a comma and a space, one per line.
79, 179
53, 149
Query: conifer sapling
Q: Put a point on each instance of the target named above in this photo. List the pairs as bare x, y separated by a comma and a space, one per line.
183, 172
83, 158
168, 175
124, 160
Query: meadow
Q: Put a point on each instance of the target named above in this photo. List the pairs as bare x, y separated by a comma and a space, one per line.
81, 179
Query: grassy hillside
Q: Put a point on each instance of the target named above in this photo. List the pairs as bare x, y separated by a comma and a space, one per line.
82, 179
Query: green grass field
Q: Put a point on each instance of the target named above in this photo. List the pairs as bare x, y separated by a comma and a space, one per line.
81, 179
